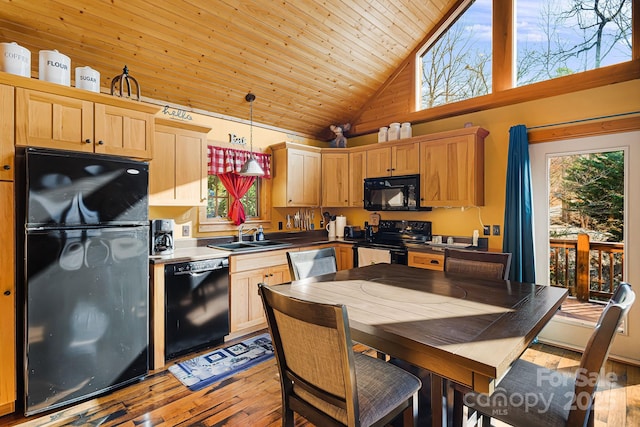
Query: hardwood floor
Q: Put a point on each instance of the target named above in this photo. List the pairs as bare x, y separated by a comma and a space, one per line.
252, 398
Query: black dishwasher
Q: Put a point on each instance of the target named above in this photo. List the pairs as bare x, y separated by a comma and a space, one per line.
196, 305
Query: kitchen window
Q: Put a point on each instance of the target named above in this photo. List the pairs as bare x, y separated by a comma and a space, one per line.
223, 167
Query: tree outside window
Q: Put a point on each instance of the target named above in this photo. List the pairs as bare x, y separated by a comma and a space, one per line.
219, 199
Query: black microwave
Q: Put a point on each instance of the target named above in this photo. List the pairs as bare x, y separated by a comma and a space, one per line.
393, 193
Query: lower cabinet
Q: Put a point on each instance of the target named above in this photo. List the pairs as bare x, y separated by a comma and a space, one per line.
344, 256
7, 304
246, 272
426, 260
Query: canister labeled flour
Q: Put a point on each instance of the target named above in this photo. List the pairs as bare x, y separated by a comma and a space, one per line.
55, 67
15, 59
87, 78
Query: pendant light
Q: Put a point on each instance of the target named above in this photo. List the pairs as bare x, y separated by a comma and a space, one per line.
251, 166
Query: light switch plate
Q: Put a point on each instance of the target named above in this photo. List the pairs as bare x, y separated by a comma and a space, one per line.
496, 230
185, 231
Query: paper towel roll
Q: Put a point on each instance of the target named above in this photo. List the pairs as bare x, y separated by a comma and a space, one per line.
341, 222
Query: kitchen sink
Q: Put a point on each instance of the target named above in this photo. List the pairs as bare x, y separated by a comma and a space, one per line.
249, 246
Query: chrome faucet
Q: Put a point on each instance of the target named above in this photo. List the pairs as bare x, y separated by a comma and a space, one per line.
241, 232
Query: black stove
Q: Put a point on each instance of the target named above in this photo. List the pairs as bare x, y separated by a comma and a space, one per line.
394, 237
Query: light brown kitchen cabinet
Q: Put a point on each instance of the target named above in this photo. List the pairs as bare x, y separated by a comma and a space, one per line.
7, 302
357, 174
452, 169
295, 179
335, 179
178, 170
429, 261
50, 120
395, 160
344, 256
246, 313
7, 150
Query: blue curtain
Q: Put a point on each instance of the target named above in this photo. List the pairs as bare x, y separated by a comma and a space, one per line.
518, 209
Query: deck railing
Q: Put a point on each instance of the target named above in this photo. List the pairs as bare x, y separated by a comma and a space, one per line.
590, 270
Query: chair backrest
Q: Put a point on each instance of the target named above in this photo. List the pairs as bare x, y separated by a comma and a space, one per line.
311, 263
597, 351
315, 357
486, 265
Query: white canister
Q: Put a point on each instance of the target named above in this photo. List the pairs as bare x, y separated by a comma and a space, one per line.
331, 229
55, 67
382, 134
405, 130
87, 78
15, 59
394, 132
341, 223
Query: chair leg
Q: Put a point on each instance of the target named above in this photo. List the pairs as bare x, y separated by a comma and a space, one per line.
410, 415
287, 416
458, 408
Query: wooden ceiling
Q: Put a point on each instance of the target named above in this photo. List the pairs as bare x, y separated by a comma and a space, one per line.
310, 63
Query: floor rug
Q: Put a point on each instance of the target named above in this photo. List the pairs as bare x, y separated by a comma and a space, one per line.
212, 367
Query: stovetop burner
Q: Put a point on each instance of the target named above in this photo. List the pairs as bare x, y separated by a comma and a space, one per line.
396, 234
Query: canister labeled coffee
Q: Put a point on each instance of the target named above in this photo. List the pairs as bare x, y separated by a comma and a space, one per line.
54, 67
15, 59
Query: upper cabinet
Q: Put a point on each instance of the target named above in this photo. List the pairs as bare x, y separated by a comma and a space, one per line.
6, 132
178, 171
335, 179
80, 123
452, 168
295, 178
397, 159
357, 174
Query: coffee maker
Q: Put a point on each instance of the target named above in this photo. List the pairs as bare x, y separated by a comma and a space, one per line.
161, 237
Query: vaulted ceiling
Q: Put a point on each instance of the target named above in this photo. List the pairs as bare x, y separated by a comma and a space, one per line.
310, 63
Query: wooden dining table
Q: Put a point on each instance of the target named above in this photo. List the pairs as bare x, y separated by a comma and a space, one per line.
468, 330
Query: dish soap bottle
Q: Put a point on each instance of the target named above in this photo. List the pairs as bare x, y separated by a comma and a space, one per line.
260, 235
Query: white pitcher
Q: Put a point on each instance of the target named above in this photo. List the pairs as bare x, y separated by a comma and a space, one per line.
331, 228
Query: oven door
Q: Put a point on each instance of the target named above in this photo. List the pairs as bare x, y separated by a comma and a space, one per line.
372, 254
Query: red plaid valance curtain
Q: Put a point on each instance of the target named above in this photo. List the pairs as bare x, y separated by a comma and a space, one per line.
226, 160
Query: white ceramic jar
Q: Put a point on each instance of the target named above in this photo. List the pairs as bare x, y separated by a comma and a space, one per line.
405, 130
15, 59
394, 132
87, 78
382, 134
54, 67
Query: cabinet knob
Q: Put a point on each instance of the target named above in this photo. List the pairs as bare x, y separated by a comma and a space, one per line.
6, 167
87, 141
7, 293
101, 142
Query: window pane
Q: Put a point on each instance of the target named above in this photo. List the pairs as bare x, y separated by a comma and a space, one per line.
458, 65
219, 199
560, 37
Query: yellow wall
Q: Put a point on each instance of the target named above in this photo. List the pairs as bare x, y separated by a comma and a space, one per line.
602, 101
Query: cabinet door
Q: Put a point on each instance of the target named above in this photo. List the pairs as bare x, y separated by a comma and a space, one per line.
335, 179
357, 173
379, 162
7, 134
452, 172
123, 132
344, 255
303, 178
405, 159
7, 303
246, 307
47, 120
177, 173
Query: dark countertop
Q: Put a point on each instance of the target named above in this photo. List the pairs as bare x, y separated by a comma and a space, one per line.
196, 249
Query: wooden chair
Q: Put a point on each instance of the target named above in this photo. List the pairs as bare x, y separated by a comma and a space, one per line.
547, 397
320, 376
311, 263
490, 265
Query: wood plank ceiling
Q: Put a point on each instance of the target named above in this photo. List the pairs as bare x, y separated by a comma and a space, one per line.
310, 63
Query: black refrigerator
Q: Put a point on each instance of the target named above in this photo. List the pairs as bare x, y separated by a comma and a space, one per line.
85, 274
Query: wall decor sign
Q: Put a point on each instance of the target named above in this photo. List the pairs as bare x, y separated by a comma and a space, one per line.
234, 139
176, 113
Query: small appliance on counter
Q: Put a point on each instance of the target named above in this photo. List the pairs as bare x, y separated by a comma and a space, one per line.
161, 237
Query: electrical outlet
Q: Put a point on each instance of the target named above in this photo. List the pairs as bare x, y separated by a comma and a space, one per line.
185, 231
486, 230
496, 230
